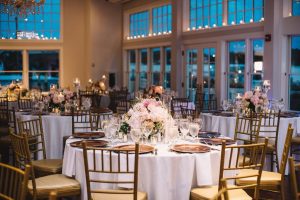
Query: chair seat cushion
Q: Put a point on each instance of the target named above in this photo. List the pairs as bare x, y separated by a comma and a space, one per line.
242, 162
267, 178
56, 182
48, 165
109, 196
206, 193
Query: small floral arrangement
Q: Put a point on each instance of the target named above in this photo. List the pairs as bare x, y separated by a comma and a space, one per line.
254, 101
57, 98
150, 113
13, 91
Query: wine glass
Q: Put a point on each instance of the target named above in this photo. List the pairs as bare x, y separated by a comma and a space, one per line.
146, 130
173, 134
184, 127
225, 105
200, 122
194, 129
135, 134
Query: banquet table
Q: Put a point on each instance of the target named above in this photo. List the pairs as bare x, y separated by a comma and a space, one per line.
166, 175
226, 126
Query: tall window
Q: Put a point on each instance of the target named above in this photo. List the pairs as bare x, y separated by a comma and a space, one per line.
132, 69
143, 76
167, 75
294, 79
257, 62
45, 25
11, 66
156, 68
191, 73
245, 11
139, 23
162, 19
296, 7
209, 71
43, 69
205, 13
236, 77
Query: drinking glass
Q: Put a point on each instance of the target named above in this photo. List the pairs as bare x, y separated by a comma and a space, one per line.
135, 134
146, 130
194, 129
184, 127
225, 105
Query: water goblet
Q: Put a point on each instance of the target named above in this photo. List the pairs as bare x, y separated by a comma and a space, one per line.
146, 130
135, 134
194, 129
184, 127
225, 105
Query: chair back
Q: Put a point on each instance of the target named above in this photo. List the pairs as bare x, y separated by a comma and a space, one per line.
97, 120
13, 182
177, 104
247, 128
25, 104
204, 103
188, 113
81, 121
34, 130
4, 103
294, 168
12, 123
270, 126
286, 148
123, 106
230, 163
4, 121
89, 94
113, 162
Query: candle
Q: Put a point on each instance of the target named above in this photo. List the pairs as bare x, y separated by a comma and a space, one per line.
267, 83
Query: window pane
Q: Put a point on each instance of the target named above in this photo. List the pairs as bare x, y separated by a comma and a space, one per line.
162, 19
139, 23
43, 80
8, 77
167, 76
296, 7
44, 60
132, 69
191, 73
236, 68
294, 88
11, 60
258, 68
143, 82
156, 66
46, 24
208, 72
205, 13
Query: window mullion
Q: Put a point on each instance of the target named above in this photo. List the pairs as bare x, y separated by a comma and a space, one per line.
25, 73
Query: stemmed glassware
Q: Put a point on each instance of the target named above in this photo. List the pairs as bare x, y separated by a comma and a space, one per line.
184, 127
194, 129
135, 134
146, 130
225, 105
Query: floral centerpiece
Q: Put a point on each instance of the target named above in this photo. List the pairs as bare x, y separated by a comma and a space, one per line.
150, 113
13, 91
254, 101
57, 98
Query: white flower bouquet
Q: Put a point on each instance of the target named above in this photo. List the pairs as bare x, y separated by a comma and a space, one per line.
254, 101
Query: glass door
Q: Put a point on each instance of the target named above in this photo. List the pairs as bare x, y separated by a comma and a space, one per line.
191, 73
208, 73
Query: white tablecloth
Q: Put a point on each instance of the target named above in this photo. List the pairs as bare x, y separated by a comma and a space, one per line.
226, 126
165, 176
55, 127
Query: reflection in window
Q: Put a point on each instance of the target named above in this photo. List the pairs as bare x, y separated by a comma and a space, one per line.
132, 69
45, 25
296, 8
294, 80
10, 66
162, 19
245, 11
43, 69
156, 66
167, 75
236, 69
143, 79
205, 13
139, 24
191, 73
209, 72
257, 62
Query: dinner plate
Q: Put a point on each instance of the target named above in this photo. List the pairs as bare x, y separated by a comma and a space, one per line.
217, 141
89, 135
131, 147
208, 134
190, 148
90, 143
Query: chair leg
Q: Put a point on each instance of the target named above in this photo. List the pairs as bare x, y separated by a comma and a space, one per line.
272, 160
282, 192
276, 160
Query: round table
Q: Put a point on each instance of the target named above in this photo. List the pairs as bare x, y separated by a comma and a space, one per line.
165, 176
226, 126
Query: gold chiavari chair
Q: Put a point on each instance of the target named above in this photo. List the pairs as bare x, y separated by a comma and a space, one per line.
81, 121
229, 165
223, 193
4, 103
34, 130
97, 120
123, 106
177, 104
53, 196
270, 128
272, 181
25, 104
186, 113
97, 155
13, 182
40, 188
294, 167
